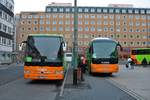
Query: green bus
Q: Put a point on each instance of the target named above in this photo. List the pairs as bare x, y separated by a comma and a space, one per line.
140, 56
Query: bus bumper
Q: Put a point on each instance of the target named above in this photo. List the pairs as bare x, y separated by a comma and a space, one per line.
43, 73
104, 68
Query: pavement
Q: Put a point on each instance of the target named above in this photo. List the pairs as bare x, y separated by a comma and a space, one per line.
134, 82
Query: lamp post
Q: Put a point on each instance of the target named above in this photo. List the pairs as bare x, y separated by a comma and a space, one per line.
75, 44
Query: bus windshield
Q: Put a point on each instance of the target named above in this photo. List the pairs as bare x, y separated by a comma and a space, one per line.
43, 46
104, 49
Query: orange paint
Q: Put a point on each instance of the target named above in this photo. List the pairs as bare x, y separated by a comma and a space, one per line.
43, 72
104, 68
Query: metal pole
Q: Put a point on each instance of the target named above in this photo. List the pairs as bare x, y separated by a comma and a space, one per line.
75, 44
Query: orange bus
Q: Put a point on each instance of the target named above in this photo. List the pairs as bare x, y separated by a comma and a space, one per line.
102, 56
44, 57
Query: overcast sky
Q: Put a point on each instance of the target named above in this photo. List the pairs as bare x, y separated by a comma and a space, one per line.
39, 5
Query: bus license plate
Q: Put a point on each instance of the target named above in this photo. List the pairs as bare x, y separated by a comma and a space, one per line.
42, 77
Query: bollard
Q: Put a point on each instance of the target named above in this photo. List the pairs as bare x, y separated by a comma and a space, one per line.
75, 77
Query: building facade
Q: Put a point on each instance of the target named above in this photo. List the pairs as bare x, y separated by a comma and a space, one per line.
129, 26
6, 30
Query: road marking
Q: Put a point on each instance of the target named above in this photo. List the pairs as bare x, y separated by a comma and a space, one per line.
62, 87
128, 91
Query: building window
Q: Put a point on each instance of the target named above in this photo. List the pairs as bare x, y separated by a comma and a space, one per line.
130, 11
41, 28
92, 16
99, 10
54, 9
137, 30
80, 10
124, 11
92, 9
105, 16
67, 22
99, 22
54, 16
80, 22
54, 29
86, 16
143, 24
67, 16
60, 22
47, 21
136, 11
35, 22
42, 16
118, 29
48, 16
142, 11
86, 10
130, 23
92, 22
105, 22
60, 16
92, 29
117, 10
60, 29
111, 10
80, 28
86, 22
147, 11
67, 10
99, 29
99, 16
4, 28
35, 29
86, 29
67, 28
61, 10
111, 22
105, 11
137, 17
105, 29
112, 29
130, 16
111, 16
47, 28
54, 22
143, 17
137, 24
41, 21
79, 16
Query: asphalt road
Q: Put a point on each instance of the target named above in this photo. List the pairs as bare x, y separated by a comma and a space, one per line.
14, 87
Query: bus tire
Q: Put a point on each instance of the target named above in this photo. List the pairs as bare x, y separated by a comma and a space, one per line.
144, 62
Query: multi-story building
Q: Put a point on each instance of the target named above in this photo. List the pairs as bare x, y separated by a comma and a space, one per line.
129, 26
6, 30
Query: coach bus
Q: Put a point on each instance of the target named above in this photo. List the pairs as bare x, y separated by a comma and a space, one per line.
44, 57
102, 56
140, 56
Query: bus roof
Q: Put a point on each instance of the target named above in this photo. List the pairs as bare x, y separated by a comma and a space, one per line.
140, 48
45, 35
102, 38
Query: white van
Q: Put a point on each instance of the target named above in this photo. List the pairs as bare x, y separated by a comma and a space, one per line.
68, 57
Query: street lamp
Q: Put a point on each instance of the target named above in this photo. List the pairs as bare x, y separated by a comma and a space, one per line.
75, 44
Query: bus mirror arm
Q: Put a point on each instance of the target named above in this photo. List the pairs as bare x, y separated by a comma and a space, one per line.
121, 49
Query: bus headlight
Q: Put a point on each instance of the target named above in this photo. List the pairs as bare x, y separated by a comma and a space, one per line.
26, 72
59, 72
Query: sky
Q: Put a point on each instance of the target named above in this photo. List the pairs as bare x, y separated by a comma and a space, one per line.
39, 5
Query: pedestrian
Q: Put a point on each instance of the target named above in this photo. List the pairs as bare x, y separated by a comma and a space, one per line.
129, 63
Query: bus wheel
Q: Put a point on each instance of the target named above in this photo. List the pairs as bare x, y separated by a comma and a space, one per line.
144, 62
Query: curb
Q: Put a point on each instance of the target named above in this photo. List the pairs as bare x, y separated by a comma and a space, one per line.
125, 89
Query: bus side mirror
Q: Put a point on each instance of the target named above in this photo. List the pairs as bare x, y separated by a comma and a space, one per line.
22, 45
121, 49
64, 45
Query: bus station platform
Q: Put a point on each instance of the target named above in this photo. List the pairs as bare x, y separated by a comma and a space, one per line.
134, 82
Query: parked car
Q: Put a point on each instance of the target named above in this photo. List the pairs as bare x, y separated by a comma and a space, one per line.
68, 57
